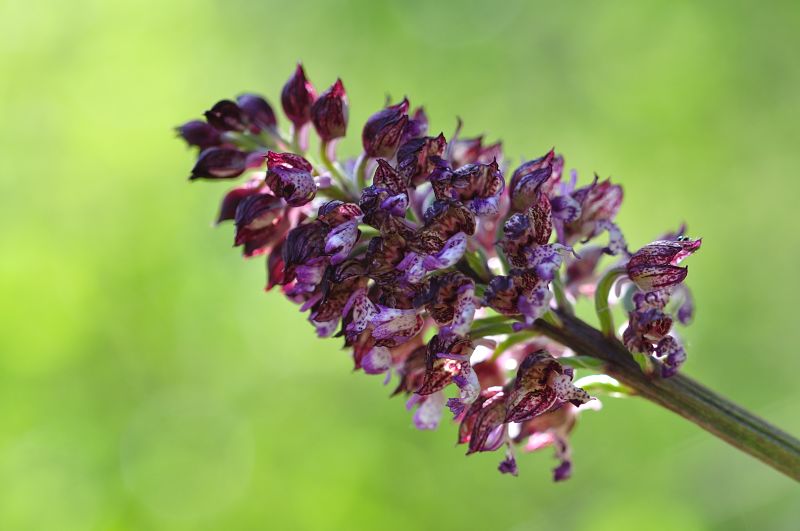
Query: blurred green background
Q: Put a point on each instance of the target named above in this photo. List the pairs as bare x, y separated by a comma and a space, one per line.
147, 382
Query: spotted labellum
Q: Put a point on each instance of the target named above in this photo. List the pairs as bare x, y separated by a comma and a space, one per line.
441, 265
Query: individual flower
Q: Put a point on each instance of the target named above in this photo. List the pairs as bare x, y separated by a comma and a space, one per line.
584, 213
230, 202
199, 133
329, 113
654, 266
524, 233
387, 197
447, 356
541, 383
672, 355
528, 179
450, 300
289, 176
521, 292
384, 130
648, 323
483, 426
220, 163
297, 97
260, 223
258, 112
226, 115
478, 186
418, 157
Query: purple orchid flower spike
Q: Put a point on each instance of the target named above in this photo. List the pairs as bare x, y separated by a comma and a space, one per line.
437, 267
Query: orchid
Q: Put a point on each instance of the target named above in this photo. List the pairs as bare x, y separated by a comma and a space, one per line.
425, 237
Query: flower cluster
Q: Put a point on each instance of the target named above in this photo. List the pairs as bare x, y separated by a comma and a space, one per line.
431, 265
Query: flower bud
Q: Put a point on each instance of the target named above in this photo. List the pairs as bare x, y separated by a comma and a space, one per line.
289, 176
258, 112
230, 202
219, 163
384, 130
654, 266
528, 179
225, 115
297, 96
259, 223
329, 113
199, 133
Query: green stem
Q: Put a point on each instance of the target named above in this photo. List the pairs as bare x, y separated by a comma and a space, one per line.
601, 300
561, 295
295, 145
336, 173
684, 396
361, 170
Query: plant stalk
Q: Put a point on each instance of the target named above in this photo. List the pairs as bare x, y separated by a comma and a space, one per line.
682, 395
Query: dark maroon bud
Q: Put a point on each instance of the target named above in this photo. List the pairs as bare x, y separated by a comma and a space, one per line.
199, 133
258, 222
289, 176
259, 113
528, 179
225, 115
297, 96
384, 129
230, 202
219, 163
304, 244
329, 113
418, 157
